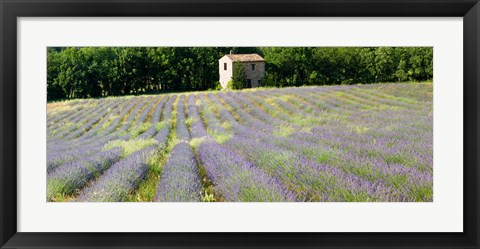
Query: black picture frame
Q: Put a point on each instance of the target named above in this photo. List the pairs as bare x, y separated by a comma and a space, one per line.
10, 10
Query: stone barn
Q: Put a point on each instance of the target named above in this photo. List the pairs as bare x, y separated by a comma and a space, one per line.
253, 64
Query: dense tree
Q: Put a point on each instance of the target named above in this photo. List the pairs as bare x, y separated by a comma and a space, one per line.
86, 72
238, 79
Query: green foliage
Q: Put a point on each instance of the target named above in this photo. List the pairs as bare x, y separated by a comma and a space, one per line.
238, 77
92, 72
221, 137
147, 189
229, 85
283, 131
207, 197
162, 124
129, 146
218, 86
298, 66
137, 130
189, 121
196, 141
57, 190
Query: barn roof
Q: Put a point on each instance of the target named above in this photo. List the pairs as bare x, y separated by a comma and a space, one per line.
245, 57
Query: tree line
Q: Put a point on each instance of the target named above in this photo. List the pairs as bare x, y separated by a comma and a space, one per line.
86, 72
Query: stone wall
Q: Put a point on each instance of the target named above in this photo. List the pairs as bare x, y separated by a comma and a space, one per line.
225, 75
255, 75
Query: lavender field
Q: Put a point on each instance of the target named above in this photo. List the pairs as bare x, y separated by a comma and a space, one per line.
356, 143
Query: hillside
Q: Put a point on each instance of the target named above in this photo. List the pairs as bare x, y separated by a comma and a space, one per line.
332, 143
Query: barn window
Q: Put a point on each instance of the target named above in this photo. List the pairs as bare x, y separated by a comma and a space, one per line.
259, 83
224, 66
253, 66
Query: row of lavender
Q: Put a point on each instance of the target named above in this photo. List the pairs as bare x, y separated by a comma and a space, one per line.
347, 143
74, 163
358, 152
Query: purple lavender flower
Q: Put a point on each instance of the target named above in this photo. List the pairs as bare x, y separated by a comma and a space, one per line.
75, 175
329, 143
180, 180
237, 179
182, 130
120, 179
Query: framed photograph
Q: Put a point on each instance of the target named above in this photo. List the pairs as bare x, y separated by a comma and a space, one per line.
222, 124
